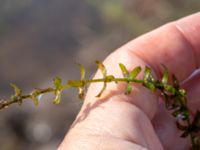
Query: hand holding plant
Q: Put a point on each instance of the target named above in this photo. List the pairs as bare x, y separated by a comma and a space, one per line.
135, 100
140, 120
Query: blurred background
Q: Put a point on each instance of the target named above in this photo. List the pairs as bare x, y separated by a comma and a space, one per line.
41, 39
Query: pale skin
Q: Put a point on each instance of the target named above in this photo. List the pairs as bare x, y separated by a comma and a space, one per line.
139, 121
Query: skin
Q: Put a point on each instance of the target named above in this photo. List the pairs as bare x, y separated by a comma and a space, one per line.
139, 121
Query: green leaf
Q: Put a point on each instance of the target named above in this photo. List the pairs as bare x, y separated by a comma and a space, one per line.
133, 74
35, 100
147, 73
176, 103
14, 98
148, 78
102, 68
81, 93
181, 113
34, 96
175, 82
82, 71
57, 98
124, 70
57, 83
150, 86
176, 113
128, 89
17, 90
182, 92
170, 89
102, 90
58, 86
166, 99
165, 77
109, 78
185, 114
183, 100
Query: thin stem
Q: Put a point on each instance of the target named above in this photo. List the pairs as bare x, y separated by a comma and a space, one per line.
114, 80
6, 103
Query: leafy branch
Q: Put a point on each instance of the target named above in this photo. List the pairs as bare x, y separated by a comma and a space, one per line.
173, 95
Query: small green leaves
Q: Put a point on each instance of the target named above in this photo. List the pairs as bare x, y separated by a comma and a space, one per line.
148, 79
182, 92
192, 128
57, 83
79, 84
148, 75
17, 90
57, 98
181, 113
128, 89
103, 70
34, 97
81, 93
130, 76
58, 89
173, 95
82, 71
17, 95
102, 90
124, 70
170, 89
81, 89
165, 77
109, 78
134, 73
175, 82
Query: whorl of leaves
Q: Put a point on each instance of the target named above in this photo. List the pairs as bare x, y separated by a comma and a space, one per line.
173, 95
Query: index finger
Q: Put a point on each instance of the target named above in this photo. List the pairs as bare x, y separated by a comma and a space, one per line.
176, 45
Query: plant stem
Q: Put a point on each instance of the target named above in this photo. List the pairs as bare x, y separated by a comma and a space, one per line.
7, 103
114, 80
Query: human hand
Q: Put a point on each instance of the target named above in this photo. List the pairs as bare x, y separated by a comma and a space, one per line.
139, 121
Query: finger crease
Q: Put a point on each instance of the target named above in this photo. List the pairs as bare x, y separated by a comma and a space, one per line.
181, 32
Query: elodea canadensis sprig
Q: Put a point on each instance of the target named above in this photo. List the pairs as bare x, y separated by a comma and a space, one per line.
172, 94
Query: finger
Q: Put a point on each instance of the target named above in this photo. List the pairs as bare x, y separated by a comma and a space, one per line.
173, 45
176, 45
100, 143
192, 86
103, 124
